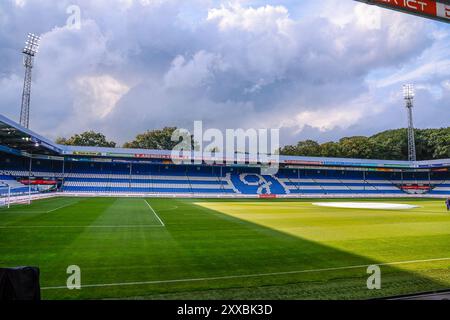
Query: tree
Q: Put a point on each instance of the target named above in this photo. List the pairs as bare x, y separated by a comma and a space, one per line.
357, 147
387, 145
442, 150
391, 144
438, 143
160, 139
289, 151
88, 138
308, 148
330, 150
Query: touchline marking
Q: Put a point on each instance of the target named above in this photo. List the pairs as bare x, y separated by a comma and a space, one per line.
157, 217
249, 275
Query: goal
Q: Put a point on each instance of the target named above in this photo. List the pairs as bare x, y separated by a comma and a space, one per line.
8, 197
5, 196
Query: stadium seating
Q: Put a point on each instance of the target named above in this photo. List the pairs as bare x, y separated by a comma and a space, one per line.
443, 188
9, 184
146, 180
114, 178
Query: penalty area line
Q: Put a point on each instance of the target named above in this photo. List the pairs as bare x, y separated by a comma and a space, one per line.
249, 275
157, 217
64, 206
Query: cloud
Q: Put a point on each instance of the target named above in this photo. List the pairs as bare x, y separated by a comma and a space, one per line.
97, 96
310, 68
261, 19
195, 72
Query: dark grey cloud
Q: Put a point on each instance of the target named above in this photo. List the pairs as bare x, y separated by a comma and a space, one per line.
137, 65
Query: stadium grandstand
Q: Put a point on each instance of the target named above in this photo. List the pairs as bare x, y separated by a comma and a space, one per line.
33, 166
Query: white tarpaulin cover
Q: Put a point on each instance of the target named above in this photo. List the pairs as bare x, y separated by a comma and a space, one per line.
366, 205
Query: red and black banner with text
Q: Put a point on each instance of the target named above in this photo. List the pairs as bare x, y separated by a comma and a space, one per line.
438, 10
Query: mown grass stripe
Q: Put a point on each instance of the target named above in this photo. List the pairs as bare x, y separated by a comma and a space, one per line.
251, 275
157, 217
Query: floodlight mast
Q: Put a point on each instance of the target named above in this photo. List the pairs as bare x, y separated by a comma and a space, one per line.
30, 50
408, 94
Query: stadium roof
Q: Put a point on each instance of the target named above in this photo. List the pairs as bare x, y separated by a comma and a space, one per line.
18, 140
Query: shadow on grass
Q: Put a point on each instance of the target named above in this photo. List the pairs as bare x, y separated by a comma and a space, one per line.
47, 248
252, 249
206, 254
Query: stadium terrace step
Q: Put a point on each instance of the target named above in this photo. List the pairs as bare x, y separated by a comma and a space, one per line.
171, 179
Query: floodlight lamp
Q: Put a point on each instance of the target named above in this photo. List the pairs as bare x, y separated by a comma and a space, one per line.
408, 91
32, 44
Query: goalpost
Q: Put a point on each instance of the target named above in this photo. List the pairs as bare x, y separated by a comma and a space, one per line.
5, 196
8, 197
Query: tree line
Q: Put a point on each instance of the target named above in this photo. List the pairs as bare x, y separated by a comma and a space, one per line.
386, 145
160, 139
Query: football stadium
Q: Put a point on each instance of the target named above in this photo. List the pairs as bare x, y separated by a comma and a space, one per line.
140, 226
82, 222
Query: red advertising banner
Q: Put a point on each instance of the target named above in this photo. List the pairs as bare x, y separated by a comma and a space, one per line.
267, 196
426, 8
417, 6
303, 162
440, 170
416, 187
38, 182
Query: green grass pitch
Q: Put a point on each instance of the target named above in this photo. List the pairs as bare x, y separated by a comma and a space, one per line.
226, 249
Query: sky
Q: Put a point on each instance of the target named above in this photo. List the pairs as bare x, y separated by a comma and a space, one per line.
315, 69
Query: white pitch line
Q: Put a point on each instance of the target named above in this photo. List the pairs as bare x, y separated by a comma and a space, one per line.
118, 226
25, 212
64, 206
169, 209
157, 217
250, 275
